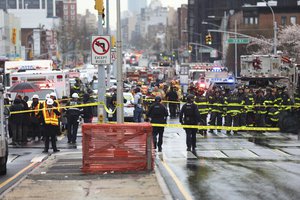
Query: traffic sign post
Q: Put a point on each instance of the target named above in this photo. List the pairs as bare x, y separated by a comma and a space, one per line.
101, 48
238, 41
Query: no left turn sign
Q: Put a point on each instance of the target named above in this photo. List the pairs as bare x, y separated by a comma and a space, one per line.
101, 50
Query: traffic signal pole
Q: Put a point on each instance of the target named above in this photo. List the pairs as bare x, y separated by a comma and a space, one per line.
120, 109
101, 74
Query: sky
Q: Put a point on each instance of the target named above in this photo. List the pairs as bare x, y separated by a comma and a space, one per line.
82, 5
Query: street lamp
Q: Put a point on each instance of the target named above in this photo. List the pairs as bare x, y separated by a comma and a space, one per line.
275, 28
208, 23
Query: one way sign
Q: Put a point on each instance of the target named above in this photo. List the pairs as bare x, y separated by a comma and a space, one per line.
101, 50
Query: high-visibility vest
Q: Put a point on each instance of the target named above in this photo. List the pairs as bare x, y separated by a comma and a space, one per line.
36, 109
50, 117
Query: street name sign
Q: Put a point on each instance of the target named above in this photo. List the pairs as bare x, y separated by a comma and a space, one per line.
101, 48
238, 40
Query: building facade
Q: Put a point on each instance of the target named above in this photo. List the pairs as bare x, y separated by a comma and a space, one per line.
135, 6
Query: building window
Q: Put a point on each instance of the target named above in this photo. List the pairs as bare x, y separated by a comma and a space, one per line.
66, 7
72, 6
283, 20
246, 20
73, 12
251, 20
293, 20
66, 17
256, 20
72, 17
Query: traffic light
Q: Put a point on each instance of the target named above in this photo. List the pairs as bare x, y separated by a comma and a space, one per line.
99, 6
113, 41
208, 39
190, 48
14, 36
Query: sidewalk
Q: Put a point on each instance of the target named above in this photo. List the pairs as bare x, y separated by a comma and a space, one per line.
60, 178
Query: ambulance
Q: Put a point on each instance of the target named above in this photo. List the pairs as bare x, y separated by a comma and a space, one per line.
52, 80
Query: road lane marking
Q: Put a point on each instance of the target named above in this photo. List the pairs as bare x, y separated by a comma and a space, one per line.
177, 181
16, 175
39, 158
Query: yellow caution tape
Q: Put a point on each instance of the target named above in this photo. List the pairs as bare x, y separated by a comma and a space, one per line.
228, 128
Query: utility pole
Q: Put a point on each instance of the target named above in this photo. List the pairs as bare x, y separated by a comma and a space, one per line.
120, 109
108, 69
235, 49
101, 69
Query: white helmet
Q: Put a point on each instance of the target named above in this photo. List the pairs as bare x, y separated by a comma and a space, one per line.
50, 102
53, 94
47, 96
35, 96
75, 95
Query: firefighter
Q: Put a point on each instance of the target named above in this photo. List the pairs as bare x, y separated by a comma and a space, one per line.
283, 99
269, 103
241, 95
189, 115
260, 110
234, 105
203, 108
173, 97
216, 109
273, 112
158, 114
297, 102
50, 116
249, 106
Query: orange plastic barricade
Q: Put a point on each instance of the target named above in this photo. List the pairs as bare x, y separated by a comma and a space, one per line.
117, 147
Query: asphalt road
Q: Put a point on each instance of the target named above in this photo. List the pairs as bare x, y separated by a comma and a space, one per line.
20, 162
228, 168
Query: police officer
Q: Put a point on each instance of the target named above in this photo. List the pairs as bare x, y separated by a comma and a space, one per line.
189, 115
73, 114
50, 116
158, 114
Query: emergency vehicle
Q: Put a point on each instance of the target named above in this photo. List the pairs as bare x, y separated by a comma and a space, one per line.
15, 66
269, 70
57, 80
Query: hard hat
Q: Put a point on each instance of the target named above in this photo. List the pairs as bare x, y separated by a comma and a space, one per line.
157, 99
75, 95
47, 96
50, 102
53, 94
35, 96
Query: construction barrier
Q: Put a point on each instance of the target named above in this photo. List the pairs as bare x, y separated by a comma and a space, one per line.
117, 147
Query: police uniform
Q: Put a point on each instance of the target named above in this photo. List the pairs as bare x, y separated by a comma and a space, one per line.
73, 114
189, 115
158, 114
